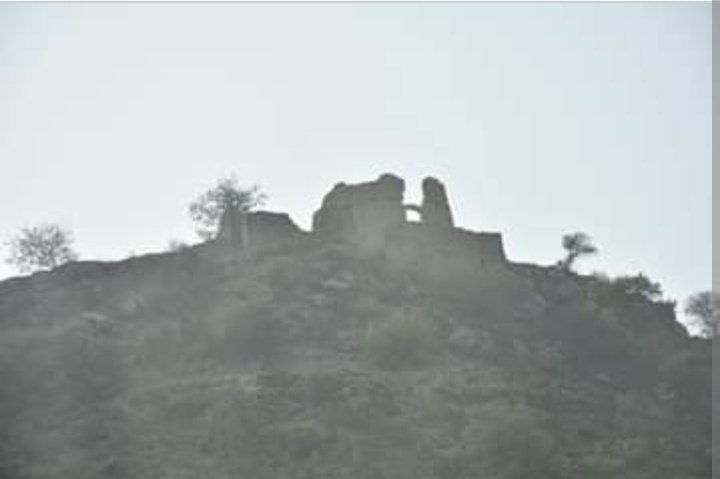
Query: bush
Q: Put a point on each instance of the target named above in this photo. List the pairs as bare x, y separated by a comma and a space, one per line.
398, 342
490, 300
598, 466
638, 285
303, 437
704, 309
592, 341
257, 333
176, 246
510, 440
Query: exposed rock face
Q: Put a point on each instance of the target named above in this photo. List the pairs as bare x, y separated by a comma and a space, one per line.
435, 209
364, 213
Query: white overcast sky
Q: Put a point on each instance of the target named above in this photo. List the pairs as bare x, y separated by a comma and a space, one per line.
542, 119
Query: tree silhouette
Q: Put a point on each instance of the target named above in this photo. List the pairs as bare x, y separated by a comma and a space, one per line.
576, 246
208, 208
41, 247
704, 308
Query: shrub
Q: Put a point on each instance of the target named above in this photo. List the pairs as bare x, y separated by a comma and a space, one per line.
398, 342
598, 466
175, 246
638, 285
704, 309
490, 300
257, 333
303, 437
510, 440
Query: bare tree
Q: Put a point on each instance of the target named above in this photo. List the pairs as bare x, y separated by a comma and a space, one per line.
41, 247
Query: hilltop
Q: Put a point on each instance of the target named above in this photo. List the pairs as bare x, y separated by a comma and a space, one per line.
368, 347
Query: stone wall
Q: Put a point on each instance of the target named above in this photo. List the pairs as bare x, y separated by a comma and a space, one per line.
266, 229
372, 216
249, 232
450, 253
435, 209
362, 214
233, 229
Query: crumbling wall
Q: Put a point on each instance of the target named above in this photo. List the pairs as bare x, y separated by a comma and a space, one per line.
250, 232
267, 229
372, 215
453, 253
234, 229
435, 209
362, 214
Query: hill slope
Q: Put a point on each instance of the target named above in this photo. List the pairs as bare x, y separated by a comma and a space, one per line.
312, 356
315, 361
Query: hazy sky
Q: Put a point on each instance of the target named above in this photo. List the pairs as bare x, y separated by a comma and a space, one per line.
542, 119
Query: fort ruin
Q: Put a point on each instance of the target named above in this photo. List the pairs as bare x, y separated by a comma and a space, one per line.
372, 216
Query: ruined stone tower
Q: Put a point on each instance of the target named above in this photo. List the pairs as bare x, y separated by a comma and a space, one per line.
234, 229
364, 213
435, 209
367, 214
372, 216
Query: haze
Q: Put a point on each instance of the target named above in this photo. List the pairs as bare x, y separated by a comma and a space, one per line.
541, 119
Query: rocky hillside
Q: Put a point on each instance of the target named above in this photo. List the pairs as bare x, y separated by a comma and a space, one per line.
368, 348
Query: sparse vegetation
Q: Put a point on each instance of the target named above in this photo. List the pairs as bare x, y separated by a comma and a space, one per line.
317, 362
507, 440
398, 342
176, 246
303, 437
598, 465
639, 285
